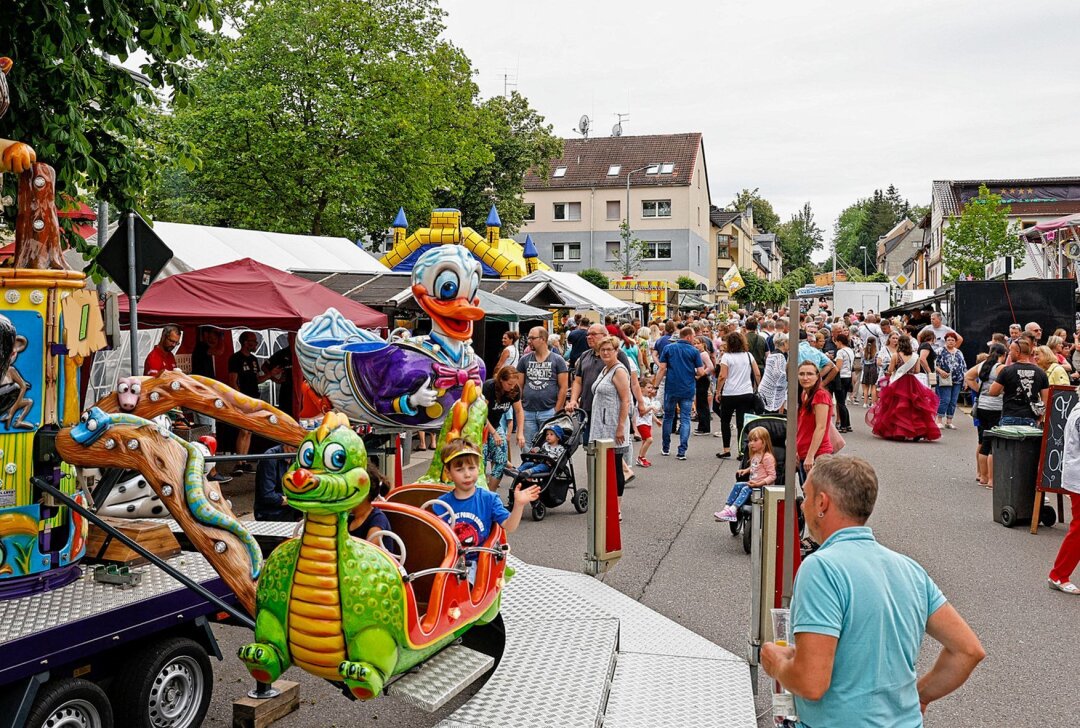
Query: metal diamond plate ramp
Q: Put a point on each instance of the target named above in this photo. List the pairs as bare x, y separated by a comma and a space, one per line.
532, 594
663, 690
548, 676
641, 629
441, 678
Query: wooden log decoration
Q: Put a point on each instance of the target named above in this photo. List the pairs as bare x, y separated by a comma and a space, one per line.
37, 228
210, 397
163, 462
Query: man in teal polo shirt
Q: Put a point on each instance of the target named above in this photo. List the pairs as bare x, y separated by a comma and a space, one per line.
858, 614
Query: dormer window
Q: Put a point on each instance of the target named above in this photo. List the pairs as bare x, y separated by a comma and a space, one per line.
652, 169
559, 172
613, 170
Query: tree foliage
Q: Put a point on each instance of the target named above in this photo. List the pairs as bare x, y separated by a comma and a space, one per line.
84, 115
632, 252
799, 237
980, 235
594, 276
328, 115
765, 218
685, 283
862, 223
771, 293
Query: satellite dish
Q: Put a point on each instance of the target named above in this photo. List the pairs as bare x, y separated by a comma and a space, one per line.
583, 125
616, 131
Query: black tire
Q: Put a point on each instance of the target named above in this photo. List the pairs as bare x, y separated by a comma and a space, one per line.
746, 536
581, 500
1047, 516
736, 526
1008, 516
71, 701
169, 683
539, 510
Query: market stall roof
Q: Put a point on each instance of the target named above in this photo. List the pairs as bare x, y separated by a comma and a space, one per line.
1051, 225
580, 294
392, 291
244, 293
198, 246
534, 293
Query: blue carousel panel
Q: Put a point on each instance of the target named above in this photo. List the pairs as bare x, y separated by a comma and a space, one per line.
22, 385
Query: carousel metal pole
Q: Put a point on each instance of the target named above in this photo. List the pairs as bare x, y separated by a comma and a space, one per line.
791, 460
133, 296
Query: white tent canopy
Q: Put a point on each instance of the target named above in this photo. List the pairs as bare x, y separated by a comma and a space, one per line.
580, 294
196, 247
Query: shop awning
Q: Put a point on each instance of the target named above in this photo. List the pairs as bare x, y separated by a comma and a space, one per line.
582, 295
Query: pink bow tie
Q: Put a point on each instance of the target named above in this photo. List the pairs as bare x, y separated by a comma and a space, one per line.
447, 377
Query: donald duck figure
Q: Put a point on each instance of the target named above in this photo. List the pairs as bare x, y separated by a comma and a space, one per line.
408, 383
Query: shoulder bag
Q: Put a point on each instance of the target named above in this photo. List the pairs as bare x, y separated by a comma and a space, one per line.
759, 401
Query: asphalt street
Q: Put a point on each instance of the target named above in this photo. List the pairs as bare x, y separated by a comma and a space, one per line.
680, 562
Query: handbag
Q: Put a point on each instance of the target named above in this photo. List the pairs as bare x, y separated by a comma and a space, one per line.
836, 439
759, 401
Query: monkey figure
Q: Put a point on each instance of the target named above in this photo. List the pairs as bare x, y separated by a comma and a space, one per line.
23, 404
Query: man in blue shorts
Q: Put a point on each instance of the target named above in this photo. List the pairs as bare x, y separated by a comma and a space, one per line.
680, 366
858, 614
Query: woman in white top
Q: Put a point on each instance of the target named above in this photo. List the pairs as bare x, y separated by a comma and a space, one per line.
845, 359
773, 388
510, 354
735, 387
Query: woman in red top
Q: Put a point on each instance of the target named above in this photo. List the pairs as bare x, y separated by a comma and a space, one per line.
815, 414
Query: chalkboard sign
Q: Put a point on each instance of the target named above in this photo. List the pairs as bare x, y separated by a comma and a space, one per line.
1062, 401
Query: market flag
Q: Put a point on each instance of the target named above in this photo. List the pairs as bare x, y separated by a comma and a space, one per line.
734, 280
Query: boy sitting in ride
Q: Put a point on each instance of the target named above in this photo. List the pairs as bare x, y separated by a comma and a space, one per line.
552, 447
477, 510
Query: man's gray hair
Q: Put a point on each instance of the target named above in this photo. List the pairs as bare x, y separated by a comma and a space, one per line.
850, 481
780, 339
169, 329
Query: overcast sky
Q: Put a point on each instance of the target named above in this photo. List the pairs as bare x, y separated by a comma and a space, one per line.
810, 101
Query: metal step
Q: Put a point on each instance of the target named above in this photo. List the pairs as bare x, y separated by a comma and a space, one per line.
442, 677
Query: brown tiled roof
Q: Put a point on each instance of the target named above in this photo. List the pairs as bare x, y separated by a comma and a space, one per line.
947, 191
587, 162
720, 218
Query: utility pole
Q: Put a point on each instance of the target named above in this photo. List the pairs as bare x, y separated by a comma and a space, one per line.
624, 251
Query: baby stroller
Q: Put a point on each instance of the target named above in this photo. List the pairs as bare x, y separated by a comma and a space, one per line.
560, 479
777, 428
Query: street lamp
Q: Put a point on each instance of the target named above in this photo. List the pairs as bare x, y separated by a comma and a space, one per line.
863, 248
624, 244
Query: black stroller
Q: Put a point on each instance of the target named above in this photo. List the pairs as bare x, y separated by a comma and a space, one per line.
776, 425
560, 479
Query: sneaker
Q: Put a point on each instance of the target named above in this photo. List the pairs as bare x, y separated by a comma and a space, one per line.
717, 434
725, 454
240, 470
219, 478
1063, 586
950, 426
681, 456
646, 463
726, 514
665, 453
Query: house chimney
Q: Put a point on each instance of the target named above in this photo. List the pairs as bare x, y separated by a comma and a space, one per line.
749, 214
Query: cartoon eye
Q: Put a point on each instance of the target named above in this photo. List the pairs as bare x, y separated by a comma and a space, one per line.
446, 285
475, 281
122, 387
334, 457
306, 455
136, 388
84, 417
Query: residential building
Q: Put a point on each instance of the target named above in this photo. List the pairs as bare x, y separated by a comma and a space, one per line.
770, 248
732, 233
577, 207
896, 249
1031, 201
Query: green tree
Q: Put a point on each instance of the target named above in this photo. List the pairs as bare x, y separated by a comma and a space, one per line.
980, 235
765, 218
685, 283
83, 114
633, 252
799, 237
754, 291
594, 276
516, 138
327, 116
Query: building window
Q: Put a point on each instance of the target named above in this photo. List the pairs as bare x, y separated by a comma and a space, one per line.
567, 210
614, 212
613, 249
652, 169
658, 250
559, 172
566, 251
656, 208
667, 168
614, 170
723, 245
530, 211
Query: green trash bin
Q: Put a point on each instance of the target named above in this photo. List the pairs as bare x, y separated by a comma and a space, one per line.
1016, 468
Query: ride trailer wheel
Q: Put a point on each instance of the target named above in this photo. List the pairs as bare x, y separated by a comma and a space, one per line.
581, 500
1047, 516
746, 536
71, 703
539, 510
1008, 516
168, 685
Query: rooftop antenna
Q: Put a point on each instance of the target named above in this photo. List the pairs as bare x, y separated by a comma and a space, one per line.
582, 127
616, 131
509, 82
